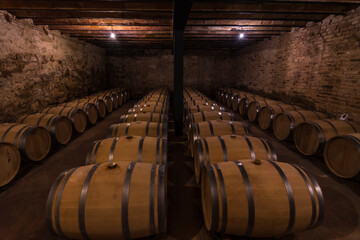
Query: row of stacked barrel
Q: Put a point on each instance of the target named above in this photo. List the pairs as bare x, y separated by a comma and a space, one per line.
121, 192
313, 133
240, 176
29, 137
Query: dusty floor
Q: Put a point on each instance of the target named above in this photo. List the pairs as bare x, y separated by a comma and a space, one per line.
22, 203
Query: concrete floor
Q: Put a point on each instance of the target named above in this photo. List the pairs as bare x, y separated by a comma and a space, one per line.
22, 203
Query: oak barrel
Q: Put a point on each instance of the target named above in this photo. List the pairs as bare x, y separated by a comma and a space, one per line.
59, 127
128, 149
209, 115
285, 123
99, 103
245, 101
268, 113
77, 116
10, 160
108, 201
260, 198
311, 137
210, 150
33, 142
88, 108
255, 107
200, 108
138, 128
342, 155
107, 100
147, 117
235, 100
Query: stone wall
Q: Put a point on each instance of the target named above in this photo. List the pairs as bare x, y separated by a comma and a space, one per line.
317, 67
39, 67
142, 70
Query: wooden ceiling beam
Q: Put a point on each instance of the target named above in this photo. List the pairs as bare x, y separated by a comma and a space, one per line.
87, 5
103, 21
237, 28
263, 6
36, 14
110, 28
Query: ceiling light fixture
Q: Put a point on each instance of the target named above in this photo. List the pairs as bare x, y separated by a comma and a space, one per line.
112, 35
241, 35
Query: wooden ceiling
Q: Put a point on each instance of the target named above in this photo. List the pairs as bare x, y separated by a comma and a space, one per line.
149, 24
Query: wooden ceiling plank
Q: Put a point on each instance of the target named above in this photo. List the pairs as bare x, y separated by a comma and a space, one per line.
103, 21
110, 28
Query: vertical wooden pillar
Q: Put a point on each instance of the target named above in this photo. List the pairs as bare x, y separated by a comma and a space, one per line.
178, 80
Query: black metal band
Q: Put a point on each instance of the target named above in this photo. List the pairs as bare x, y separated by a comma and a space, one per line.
123, 118
312, 195
301, 114
88, 155
151, 117
164, 130
112, 149
126, 129
290, 197
223, 198
18, 134
50, 201
161, 199
232, 127
58, 201
251, 148
317, 115
82, 201
282, 110
352, 126
140, 150
321, 136
199, 145
157, 150
250, 198
214, 199
48, 110
198, 108
207, 151
96, 150
332, 125
266, 148
125, 201
135, 115
39, 120
164, 151
221, 116
22, 120
223, 146
109, 133
158, 130
7, 131
147, 129
203, 116
152, 199
211, 128
319, 197
198, 129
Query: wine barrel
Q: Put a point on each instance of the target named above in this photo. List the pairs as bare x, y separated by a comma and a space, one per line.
210, 150
108, 201
77, 116
128, 149
107, 100
255, 107
152, 104
156, 109
215, 128
190, 102
99, 103
209, 115
310, 137
342, 155
138, 128
235, 100
199, 108
268, 113
260, 198
59, 127
245, 101
10, 160
147, 117
230, 97
285, 123
32, 141
88, 108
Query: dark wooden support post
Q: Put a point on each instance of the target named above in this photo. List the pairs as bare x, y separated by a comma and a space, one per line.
181, 12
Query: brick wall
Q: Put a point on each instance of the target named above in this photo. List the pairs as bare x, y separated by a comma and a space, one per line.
39, 67
317, 67
143, 70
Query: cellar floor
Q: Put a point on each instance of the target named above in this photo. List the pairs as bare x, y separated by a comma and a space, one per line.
22, 202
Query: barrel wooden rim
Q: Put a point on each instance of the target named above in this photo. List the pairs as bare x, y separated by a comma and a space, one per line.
320, 138
291, 125
354, 141
17, 166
